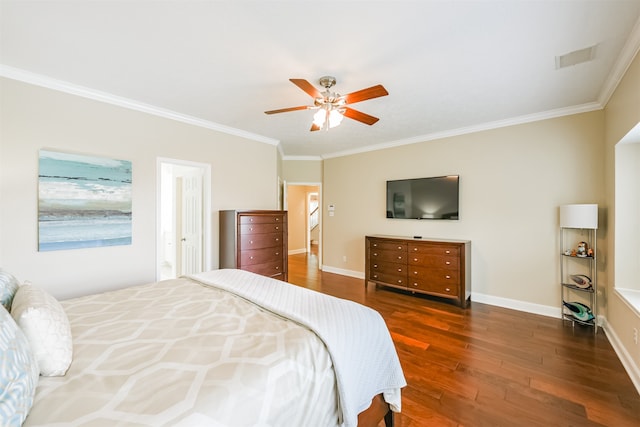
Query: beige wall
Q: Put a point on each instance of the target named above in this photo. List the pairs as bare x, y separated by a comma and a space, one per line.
512, 181
32, 118
621, 114
302, 171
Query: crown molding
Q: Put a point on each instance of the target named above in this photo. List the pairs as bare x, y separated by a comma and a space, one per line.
85, 92
551, 114
625, 58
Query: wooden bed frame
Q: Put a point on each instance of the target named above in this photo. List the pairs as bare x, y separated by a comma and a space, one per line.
378, 410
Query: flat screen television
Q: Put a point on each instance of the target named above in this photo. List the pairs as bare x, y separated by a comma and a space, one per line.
423, 198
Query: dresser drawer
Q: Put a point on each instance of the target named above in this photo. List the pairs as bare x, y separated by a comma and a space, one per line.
388, 256
441, 289
388, 268
377, 245
261, 228
388, 278
259, 241
261, 219
435, 261
260, 256
434, 249
434, 280
270, 269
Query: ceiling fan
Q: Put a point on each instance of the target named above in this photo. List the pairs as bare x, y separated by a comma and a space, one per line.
332, 106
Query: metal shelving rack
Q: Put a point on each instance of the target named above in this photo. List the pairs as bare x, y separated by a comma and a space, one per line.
579, 223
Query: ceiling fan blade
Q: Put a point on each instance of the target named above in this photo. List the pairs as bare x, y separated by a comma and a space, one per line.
307, 87
359, 116
314, 127
284, 110
364, 94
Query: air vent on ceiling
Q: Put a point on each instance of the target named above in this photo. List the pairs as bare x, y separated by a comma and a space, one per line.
576, 57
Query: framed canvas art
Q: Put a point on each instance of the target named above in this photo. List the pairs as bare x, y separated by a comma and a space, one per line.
83, 201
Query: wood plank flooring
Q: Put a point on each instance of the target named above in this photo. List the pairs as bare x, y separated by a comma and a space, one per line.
490, 366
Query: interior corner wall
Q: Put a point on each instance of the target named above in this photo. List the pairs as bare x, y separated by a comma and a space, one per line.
512, 182
622, 113
34, 118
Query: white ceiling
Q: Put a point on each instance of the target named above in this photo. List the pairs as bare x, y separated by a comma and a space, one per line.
450, 66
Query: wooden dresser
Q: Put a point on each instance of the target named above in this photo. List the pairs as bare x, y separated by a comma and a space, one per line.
435, 267
254, 240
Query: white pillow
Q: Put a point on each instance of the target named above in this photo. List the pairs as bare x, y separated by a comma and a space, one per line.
44, 322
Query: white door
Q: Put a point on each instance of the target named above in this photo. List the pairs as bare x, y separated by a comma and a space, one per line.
189, 223
184, 224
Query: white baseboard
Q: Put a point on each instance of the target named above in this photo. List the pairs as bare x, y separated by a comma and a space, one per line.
297, 251
623, 354
528, 307
343, 272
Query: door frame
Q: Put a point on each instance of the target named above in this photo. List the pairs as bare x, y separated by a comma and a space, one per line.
206, 210
320, 219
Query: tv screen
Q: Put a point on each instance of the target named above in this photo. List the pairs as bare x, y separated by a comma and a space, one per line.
423, 198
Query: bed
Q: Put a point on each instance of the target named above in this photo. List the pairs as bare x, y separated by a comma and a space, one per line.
221, 348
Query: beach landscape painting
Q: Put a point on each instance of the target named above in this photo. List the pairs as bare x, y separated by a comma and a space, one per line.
83, 201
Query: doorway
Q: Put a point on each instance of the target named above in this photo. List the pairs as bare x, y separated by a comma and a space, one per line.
303, 201
183, 224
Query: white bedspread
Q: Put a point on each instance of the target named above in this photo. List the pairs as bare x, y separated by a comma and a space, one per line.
178, 353
363, 354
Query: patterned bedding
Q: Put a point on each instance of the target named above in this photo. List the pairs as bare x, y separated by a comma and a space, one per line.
179, 353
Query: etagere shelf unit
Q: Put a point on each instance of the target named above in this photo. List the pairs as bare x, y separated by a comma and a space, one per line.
578, 264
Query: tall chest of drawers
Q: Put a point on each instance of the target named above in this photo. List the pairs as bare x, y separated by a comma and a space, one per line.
256, 241
435, 267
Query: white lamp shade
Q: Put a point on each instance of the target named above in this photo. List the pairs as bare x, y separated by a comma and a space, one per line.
579, 216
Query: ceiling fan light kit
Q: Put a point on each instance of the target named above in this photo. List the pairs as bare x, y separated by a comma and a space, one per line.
331, 106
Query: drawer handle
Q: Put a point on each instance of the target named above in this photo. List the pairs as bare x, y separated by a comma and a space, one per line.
250, 257
375, 265
415, 273
399, 247
251, 242
447, 252
250, 219
277, 228
277, 219
399, 256
447, 277
277, 268
415, 259
277, 253
448, 262
277, 239
415, 284
250, 228
399, 270
448, 289
375, 254
400, 281
375, 276
415, 249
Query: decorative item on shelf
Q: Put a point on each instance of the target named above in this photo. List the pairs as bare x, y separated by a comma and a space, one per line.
582, 249
581, 281
590, 252
580, 311
573, 252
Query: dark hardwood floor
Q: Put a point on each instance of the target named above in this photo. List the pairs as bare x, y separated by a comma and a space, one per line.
490, 366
